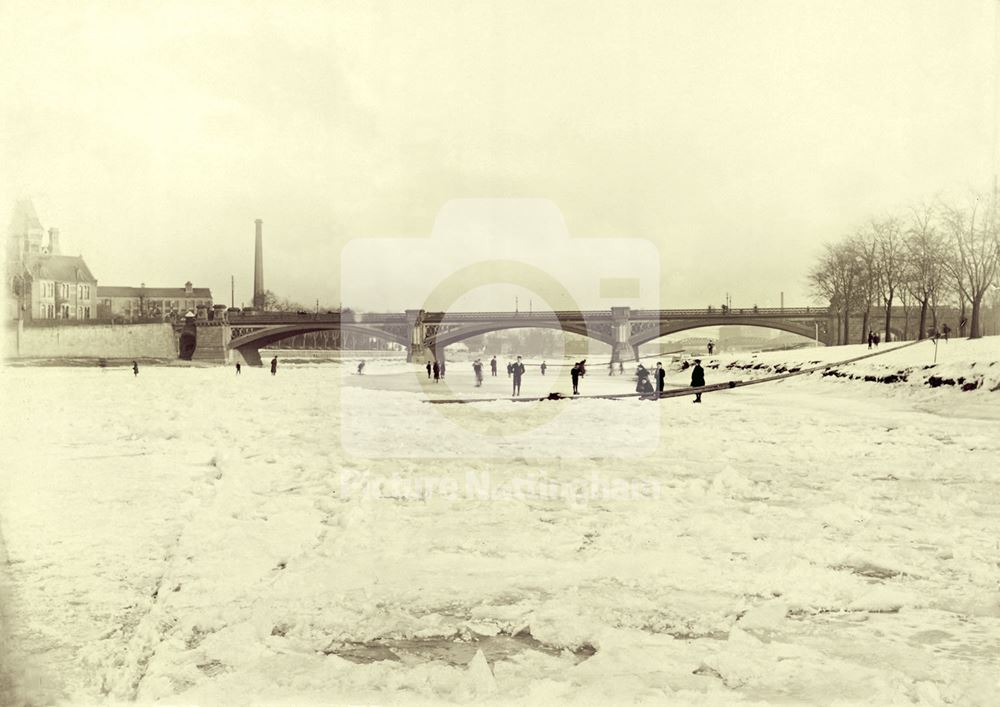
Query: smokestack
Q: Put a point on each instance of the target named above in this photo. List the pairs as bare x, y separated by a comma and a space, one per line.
54, 241
258, 268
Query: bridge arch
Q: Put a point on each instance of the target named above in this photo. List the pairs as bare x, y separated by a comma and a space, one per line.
665, 328
249, 345
439, 341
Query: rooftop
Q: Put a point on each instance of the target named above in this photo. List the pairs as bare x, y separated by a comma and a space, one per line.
160, 292
61, 268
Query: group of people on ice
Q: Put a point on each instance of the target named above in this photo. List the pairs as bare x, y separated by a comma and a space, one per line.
516, 370
435, 370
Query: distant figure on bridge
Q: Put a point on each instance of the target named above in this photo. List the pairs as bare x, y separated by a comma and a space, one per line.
518, 371
711, 347
661, 378
428, 369
361, 368
274, 365
945, 330
135, 368
697, 378
493, 366
543, 367
574, 373
510, 369
238, 368
477, 368
437, 371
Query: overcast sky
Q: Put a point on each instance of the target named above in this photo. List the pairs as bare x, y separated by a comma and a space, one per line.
736, 136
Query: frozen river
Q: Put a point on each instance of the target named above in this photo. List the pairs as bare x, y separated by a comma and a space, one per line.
197, 537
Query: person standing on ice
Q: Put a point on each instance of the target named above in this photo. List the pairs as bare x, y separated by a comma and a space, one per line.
661, 376
238, 368
493, 366
477, 368
518, 371
574, 373
135, 368
436, 369
871, 338
697, 378
711, 346
946, 330
428, 369
543, 367
361, 368
274, 365
510, 369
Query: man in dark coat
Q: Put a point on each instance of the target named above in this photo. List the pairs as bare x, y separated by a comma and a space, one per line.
543, 367
437, 371
574, 373
238, 368
697, 378
510, 369
428, 369
661, 377
274, 365
135, 368
518, 371
493, 365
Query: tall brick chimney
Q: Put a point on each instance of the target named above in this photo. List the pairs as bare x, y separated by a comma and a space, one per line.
54, 241
258, 268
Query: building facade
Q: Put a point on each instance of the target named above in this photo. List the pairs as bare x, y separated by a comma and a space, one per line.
145, 303
44, 283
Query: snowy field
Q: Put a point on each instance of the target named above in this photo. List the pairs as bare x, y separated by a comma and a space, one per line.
194, 537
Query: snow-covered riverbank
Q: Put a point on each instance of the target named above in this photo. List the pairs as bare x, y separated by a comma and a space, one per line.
195, 537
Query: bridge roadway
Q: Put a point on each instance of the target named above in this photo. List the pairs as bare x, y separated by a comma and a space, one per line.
425, 334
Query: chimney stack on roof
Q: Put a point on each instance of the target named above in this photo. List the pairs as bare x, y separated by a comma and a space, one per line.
54, 241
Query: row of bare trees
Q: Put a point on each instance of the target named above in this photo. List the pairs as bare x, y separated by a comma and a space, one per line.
938, 254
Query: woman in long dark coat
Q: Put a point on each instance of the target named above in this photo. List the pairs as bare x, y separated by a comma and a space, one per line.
697, 378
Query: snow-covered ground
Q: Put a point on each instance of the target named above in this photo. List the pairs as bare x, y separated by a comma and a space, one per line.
196, 537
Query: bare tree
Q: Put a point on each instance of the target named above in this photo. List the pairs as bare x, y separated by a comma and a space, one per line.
891, 255
925, 261
835, 279
974, 236
866, 249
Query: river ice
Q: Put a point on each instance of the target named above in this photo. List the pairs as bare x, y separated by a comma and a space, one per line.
196, 537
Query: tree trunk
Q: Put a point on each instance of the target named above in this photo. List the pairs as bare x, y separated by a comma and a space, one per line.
866, 324
961, 315
888, 315
922, 333
847, 327
974, 329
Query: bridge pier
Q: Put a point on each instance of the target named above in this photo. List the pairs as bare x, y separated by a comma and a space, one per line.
621, 328
417, 350
246, 356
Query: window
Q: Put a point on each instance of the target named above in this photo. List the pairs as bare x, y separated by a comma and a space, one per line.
64, 311
86, 312
83, 291
63, 290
